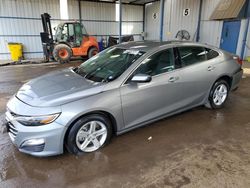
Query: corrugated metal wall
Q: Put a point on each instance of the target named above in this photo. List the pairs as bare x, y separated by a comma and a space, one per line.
243, 26
152, 21
247, 51
210, 31
173, 19
20, 21
132, 21
100, 19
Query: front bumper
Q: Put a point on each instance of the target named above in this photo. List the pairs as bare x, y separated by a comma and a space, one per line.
45, 140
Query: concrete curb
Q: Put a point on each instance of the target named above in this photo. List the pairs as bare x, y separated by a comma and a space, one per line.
22, 62
5, 64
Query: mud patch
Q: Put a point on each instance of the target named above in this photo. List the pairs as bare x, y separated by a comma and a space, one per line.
219, 165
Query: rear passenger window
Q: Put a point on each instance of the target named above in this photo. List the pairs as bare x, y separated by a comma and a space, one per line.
211, 53
191, 55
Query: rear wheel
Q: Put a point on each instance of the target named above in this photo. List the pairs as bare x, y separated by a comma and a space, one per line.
92, 52
89, 134
218, 94
62, 53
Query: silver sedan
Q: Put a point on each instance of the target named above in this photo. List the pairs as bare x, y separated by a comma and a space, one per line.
120, 89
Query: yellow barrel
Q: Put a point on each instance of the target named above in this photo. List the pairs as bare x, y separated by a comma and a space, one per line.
16, 51
248, 59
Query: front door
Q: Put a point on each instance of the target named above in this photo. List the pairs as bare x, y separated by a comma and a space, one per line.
145, 101
230, 35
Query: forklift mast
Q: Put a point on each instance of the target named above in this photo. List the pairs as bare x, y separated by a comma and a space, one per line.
46, 35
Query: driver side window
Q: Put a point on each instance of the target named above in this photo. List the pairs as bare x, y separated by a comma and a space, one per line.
158, 63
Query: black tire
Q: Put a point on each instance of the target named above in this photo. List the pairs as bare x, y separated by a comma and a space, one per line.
84, 58
212, 96
45, 58
70, 141
62, 53
52, 58
92, 52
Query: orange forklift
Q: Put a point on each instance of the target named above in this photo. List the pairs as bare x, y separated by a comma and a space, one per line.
70, 40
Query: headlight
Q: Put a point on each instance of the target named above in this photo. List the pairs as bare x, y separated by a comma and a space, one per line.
37, 120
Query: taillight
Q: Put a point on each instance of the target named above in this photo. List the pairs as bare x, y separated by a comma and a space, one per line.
239, 60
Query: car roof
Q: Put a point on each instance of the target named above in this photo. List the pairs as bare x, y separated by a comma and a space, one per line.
146, 46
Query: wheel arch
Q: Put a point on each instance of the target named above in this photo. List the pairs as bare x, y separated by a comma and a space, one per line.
97, 112
92, 46
227, 78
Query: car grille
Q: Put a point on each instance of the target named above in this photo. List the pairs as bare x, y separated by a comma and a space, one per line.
10, 126
12, 130
13, 114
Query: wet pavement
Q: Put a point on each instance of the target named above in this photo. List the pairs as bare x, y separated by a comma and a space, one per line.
198, 148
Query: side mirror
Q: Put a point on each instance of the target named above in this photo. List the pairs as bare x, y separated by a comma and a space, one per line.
141, 78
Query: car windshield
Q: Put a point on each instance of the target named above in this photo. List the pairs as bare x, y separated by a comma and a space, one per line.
109, 64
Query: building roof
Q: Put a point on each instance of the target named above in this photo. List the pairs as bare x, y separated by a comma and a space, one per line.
227, 9
131, 2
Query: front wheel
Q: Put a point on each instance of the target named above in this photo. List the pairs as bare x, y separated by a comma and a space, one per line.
89, 134
62, 53
218, 94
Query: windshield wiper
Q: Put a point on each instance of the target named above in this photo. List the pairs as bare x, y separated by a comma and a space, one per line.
91, 73
75, 69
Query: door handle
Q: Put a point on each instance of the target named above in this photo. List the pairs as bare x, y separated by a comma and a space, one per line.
173, 79
210, 68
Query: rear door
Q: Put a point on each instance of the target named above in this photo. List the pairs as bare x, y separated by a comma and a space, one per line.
198, 72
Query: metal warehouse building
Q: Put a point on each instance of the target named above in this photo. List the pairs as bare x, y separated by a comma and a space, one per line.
20, 21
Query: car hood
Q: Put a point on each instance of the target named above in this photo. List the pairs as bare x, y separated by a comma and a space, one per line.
57, 88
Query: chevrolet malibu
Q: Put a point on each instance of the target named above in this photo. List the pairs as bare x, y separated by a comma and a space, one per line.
118, 90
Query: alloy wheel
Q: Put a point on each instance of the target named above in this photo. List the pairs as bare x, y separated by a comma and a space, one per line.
91, 136
220, 94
